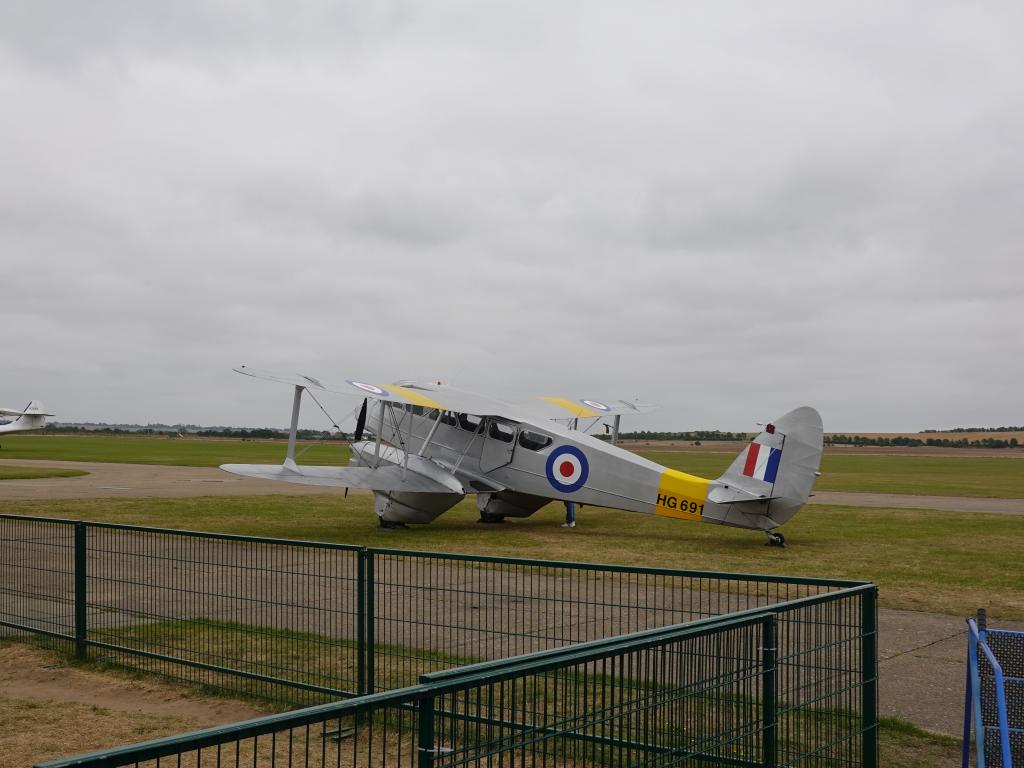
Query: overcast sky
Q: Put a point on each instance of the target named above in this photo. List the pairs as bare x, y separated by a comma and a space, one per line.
727, 208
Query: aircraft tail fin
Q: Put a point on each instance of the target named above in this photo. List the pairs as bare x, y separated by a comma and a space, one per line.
36, 408
779, 466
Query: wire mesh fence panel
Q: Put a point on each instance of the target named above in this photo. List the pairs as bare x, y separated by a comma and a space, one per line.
368, 731
693, 696
821, 682
37, 577
1003, 742
434, 611
692, 699
273, 619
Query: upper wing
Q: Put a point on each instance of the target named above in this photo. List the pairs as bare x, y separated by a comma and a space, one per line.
425, 394
447, 398
565, 408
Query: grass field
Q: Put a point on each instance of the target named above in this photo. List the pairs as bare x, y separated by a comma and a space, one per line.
945, 562
926, 475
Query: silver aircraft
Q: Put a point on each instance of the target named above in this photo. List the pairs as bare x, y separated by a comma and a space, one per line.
33, 416
421, 447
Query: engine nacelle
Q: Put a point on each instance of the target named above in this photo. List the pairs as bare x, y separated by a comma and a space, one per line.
410, 507
494, 506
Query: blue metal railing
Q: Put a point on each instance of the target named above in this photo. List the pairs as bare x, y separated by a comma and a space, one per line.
986, 710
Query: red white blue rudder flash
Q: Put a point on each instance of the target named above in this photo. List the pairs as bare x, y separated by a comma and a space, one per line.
762, 462
567, 469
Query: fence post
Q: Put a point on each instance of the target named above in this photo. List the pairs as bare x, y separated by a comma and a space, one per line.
769, 656
425, 738
368, 624
869, 676
80, 596
361, 622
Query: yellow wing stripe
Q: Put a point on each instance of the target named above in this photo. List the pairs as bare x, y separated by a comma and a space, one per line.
681, 496
575, 409
412, 396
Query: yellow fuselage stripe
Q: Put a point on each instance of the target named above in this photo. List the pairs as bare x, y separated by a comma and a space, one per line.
574, 408
412, 396
681, 496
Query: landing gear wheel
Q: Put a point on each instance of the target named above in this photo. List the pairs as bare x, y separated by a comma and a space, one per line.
776, 540
488, 518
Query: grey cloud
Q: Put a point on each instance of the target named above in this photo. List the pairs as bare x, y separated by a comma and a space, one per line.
728, 210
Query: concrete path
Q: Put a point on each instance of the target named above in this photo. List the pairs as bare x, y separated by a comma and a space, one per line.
921, 667
141, 480
908, 501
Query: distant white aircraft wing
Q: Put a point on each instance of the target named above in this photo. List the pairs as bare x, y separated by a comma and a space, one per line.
385, 478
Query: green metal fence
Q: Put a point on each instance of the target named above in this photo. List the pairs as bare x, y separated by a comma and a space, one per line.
276, 619
306, 622
661, 697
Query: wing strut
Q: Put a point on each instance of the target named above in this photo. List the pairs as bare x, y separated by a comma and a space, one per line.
296, 402
380, 431
430, 435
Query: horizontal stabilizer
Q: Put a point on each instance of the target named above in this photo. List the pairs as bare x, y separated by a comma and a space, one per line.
389, 477
729, 495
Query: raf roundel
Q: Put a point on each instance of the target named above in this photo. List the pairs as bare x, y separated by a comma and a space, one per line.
595, 405
567, 469
368, 388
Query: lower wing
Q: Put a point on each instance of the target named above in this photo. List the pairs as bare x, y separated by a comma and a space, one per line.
385, 478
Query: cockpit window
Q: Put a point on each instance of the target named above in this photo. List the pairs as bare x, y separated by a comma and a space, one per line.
534, 440
502, 432
469, 423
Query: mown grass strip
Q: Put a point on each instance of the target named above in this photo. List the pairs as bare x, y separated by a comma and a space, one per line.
35, 473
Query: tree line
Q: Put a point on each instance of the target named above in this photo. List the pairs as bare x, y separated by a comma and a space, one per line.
939, 442
693, 436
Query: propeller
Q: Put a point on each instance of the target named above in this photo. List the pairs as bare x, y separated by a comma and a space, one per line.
360, 422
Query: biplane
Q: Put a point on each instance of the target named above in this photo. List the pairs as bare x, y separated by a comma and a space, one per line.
33, 416
422, 447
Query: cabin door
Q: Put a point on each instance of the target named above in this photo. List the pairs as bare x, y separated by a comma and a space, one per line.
499, 444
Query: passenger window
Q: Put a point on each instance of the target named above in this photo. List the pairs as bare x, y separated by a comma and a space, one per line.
449, 419
469, 423
534, 440
502, 432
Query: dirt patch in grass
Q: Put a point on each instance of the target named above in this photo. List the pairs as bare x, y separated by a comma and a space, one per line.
50, 709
